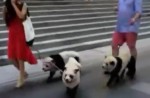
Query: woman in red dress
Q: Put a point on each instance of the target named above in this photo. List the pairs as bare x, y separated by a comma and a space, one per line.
18, 51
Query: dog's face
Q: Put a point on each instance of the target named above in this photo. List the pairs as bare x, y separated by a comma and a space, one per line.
70, 75
109, 63
71, 71
48, 64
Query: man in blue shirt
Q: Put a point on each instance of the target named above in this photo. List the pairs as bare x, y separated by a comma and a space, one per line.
128, 23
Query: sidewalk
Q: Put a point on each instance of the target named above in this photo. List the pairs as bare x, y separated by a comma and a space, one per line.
88, 58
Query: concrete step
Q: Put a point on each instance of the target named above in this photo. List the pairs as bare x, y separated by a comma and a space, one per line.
74, 26
77, 47
68, 2
75, 7
58, 3
72, 40
72, 15
71, 11
72, 6
71, 2
68, 38
58, 26
73, 21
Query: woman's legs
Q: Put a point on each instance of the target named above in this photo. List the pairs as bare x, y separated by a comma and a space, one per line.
16, 63
19, 64
22, 73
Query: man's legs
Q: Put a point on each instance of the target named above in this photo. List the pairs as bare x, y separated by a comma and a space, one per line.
131, 39
117, 41
131, 42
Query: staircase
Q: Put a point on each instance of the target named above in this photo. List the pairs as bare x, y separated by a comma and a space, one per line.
71, 25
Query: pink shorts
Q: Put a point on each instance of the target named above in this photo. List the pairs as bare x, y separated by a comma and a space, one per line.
120, 38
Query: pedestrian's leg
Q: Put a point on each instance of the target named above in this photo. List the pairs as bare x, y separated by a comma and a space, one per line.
131, 42
20, 81
16, 64
117, 41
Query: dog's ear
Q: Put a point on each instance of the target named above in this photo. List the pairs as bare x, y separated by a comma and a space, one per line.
112, 63
53, 61
78, 64
65, 68
105, 56
76, 70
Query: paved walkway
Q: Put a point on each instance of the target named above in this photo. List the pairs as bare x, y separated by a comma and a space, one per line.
8, 74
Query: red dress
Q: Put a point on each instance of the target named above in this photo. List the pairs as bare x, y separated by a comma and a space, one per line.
17, 47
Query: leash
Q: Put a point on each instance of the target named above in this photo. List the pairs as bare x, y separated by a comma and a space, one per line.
40, 57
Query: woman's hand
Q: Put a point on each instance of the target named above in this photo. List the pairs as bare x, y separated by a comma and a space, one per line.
13, 2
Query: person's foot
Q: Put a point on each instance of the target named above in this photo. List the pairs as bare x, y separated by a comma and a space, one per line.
20, 82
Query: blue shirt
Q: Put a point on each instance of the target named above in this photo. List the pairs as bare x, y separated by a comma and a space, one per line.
126, 10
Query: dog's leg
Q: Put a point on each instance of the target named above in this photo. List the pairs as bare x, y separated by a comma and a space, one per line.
131, 68
117, 79
106, 72
51, 74
122, 74
61, 74
111, 80
72, 92
68, 90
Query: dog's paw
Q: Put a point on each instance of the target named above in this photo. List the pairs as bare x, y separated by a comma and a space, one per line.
71, 94
131, 75
109, 86
48, 80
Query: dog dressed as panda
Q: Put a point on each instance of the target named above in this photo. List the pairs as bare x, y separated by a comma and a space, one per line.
57, 62
71, 76
116, 67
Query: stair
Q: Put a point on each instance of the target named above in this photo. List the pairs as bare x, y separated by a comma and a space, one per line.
71, 25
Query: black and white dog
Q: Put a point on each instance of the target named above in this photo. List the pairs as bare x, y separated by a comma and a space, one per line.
71, 76
57, 62
116, 67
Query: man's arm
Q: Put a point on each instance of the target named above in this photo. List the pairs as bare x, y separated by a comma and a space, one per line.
138, 10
